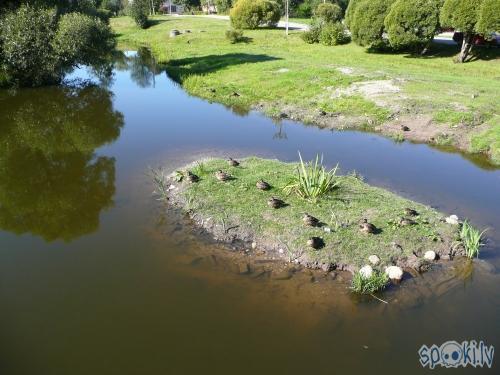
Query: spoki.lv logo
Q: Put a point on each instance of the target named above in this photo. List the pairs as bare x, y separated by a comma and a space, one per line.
453, 354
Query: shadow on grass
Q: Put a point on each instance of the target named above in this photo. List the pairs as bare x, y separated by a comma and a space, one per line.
181, 69
155, 22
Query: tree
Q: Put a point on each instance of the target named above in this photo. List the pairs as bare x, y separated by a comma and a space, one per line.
39, 46
471, 17
349, 13
328, 12
412, 23
367, 23
139, 10
223, 6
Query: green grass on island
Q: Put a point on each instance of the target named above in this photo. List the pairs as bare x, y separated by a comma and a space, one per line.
278, 73
236, 209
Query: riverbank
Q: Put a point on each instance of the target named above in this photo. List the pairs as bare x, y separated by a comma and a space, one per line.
427, 99
236, 211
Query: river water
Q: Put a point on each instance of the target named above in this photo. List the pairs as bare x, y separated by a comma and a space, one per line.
98, 277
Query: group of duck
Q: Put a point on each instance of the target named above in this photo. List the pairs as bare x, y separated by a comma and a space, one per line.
308, 220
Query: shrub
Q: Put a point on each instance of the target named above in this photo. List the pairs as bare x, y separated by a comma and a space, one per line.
138, 10
38, 48
312, 35
412, 23
304, 10
333, 34
368, 285
328, 12
250, 14
26, 39
367, 24
81, 39
234, 36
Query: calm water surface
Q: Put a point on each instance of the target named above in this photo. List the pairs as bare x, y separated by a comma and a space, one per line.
97, 277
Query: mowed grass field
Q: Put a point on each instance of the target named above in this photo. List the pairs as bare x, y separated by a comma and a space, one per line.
277, 71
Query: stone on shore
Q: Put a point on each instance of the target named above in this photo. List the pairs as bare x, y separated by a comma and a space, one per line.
394, 273
430, 255
373, 259
366, 271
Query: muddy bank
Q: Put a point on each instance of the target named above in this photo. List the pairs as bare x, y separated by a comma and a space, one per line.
235, 212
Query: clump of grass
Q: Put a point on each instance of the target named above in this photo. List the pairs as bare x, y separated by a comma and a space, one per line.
312, 180
368, 285
472, 239
200, 169
159, 179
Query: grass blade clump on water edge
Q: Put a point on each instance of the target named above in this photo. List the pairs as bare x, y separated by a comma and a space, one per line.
472, 239
312, 180
368, 285
159, 179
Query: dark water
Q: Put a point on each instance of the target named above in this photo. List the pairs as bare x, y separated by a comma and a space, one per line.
97, 277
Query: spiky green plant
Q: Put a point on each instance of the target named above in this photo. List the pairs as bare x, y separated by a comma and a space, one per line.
368, 285
312, 180
472, 239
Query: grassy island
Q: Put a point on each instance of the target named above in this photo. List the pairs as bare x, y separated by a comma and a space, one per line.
237, 211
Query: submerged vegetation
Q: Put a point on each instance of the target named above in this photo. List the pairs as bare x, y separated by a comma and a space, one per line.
471, 239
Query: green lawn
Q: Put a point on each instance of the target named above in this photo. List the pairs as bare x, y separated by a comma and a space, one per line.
239, 205
279, 72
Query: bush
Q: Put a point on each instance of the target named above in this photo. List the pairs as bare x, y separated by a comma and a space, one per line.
81, 39
412, 23
328, 12
250, 14
234, 36
38, 48
367, 24
304, 10
369, 285
312, 35
333, 34
26, 39
138, 10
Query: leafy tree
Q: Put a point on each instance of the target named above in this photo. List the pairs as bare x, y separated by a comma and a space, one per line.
472, 18
223, 6
367, 24
139, 10
39, 47
412, 23
349, 13
51, 183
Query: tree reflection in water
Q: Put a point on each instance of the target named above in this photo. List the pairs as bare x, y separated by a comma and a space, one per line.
51, 182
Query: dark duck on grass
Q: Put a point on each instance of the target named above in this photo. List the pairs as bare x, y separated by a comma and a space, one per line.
309, 220
275, 202
262, 185
191, 177
222, 176
315, 243
232, 162
367, 227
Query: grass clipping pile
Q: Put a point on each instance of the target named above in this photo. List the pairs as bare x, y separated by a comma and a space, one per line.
225, 199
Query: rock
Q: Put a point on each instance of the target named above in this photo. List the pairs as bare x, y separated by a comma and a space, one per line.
366, 271
373, 259
174, 33
394, 273
405, 128
327, 229
452, 219
430, 255
187, 31
322, 113
281, 251
254, 245
283, 115
327, 267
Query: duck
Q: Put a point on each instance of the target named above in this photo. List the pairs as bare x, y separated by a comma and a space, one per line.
315, 242
232, 162
191, 177
404, 222
309, 220
275, 202
262, 185
222, 176
367, 227
411, 212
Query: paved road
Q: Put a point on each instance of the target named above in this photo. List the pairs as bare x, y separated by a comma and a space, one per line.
291, 25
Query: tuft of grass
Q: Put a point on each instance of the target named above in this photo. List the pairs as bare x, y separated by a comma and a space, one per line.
159, 181
472, 239
368, 285
312, 180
